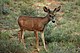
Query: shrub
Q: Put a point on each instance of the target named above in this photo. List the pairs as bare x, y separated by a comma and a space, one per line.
78, 2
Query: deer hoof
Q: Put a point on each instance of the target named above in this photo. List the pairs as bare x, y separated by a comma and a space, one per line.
38, 49
46, 50
24, 47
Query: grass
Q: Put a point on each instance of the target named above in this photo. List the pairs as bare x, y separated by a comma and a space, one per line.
64, 38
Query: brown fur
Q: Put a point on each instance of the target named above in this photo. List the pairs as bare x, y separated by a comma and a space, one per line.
32, 23
36, 24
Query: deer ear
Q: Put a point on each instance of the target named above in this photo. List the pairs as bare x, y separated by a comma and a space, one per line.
46, 9
57, 9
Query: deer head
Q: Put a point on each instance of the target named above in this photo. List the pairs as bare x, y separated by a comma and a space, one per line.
51, 14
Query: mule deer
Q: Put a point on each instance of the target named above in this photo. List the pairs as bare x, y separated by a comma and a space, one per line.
36, 24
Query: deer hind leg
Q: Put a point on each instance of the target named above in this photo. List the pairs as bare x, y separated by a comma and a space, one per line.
22, 38
19, 35
43, 40
37, 40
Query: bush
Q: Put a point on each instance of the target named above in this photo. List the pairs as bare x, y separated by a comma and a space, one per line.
61, 39
8, 46
78, 2
62, 48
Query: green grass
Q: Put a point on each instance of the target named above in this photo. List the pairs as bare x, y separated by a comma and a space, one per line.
62, 39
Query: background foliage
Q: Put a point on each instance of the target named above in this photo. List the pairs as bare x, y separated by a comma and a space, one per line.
61, 38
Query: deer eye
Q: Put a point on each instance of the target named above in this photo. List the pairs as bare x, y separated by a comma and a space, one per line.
50, 16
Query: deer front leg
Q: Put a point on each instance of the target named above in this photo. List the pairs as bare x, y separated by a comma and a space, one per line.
43, 40
37, 40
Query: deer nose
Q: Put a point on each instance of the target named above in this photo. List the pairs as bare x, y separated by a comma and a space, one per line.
53, 21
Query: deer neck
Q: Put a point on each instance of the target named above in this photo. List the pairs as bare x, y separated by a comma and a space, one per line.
46, 20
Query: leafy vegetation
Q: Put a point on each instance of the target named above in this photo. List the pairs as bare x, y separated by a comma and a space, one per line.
63, 38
